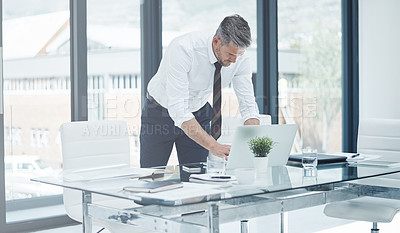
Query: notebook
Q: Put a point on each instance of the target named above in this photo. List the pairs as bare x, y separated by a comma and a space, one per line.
192, 168
152, 187
322, 158
241, 156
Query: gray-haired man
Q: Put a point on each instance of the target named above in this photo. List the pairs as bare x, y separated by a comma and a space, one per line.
176, 109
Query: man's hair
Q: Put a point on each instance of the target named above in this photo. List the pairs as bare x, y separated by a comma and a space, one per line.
236, 29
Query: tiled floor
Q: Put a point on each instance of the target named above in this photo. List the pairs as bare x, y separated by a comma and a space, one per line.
308, 220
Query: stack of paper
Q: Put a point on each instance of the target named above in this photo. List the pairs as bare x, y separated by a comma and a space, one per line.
371, 160
190, 192
105, 173
152, 186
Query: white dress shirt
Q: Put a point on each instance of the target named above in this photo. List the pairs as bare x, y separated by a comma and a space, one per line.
184, 81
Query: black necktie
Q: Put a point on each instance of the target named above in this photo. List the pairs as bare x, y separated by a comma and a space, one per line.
216, 120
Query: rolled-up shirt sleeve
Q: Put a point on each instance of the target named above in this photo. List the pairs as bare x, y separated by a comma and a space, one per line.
178, 65
243, 87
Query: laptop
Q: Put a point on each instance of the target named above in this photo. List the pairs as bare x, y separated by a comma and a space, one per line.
240, 155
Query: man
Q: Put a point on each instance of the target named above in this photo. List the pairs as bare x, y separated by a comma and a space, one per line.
176, 109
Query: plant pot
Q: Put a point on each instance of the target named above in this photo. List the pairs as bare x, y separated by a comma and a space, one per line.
261, 166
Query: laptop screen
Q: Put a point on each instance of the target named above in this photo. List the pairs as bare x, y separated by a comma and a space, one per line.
241, 156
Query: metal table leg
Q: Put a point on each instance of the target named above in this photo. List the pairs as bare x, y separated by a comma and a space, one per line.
284, 222
87, 221
213, 218
244, 226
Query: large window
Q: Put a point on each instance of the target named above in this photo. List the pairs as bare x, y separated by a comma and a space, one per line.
36, 94
310, 71
37, 89
114, 83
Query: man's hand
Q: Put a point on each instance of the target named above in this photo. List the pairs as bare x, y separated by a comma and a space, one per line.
194, 131
220, 150
252, 121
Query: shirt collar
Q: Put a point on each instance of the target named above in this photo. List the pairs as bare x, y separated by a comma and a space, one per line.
211, 54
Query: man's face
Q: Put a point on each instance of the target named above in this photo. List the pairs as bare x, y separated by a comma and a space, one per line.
226, 54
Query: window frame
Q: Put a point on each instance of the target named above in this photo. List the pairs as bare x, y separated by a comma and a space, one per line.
350, 77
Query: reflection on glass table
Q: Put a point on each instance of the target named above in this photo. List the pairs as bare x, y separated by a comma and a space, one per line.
218, 200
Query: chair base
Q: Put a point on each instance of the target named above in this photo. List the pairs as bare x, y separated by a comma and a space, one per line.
374, 228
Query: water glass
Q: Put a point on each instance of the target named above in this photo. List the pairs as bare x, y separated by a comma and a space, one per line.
215, 164
309, 158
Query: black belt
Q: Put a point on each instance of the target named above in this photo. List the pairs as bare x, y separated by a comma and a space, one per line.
160, 107
155, 103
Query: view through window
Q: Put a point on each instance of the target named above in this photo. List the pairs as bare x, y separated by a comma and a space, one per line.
310, 71
114, 86
36, 93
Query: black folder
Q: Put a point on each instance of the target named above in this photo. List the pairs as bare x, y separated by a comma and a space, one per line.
322, 158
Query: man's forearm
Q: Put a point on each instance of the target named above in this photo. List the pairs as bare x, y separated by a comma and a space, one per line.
194, 131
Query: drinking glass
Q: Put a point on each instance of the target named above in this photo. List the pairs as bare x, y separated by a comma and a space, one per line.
309, 159
215, 164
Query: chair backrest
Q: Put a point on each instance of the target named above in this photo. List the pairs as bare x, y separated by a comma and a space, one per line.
379, 137
91, 145
230, 124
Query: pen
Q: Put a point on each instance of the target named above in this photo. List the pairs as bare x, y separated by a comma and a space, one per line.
356, 155
220, 177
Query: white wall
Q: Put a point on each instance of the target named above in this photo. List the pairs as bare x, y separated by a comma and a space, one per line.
379, 32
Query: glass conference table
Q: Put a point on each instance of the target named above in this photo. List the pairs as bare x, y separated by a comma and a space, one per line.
202, 207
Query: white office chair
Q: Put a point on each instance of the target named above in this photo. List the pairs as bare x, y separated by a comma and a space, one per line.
90, 145
377, 137
230, 123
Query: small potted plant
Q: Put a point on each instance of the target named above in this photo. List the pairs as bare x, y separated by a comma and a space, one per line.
261, 147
